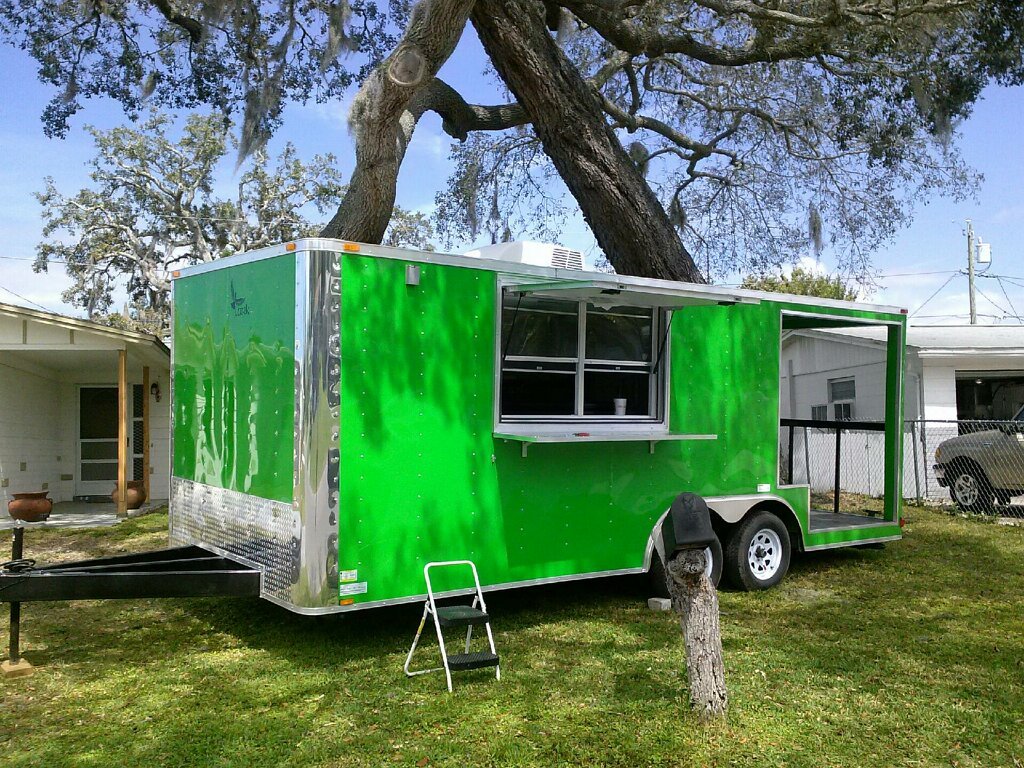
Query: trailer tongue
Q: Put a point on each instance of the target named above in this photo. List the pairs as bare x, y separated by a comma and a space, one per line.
179, 572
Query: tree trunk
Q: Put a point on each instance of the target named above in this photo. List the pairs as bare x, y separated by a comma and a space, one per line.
626, 217
381, 120
695, 600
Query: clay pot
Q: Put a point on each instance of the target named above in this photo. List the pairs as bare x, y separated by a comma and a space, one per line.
30, 507
135, 491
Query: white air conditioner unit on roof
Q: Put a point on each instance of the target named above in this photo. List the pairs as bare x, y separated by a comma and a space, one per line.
529, 252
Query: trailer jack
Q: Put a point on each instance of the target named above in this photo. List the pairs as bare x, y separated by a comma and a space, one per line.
179, 572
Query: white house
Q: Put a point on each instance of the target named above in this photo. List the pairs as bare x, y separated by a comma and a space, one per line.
63, 383
952, 373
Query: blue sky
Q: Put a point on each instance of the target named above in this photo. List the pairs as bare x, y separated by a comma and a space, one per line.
922, 260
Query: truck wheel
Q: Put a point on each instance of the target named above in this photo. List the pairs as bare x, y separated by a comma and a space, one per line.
657, 575
757, 554
971, 491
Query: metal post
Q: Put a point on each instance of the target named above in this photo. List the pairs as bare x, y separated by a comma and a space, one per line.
970, 270
17, 549
839, 446
917, 472
807, 458
789, 458
924, 454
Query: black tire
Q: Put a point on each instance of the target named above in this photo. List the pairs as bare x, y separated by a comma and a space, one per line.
757, 538
657, 576
971, 490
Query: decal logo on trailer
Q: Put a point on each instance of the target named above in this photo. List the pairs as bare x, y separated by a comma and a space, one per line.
347, 576
238, 304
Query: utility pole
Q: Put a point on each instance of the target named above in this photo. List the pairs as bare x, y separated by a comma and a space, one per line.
970, 270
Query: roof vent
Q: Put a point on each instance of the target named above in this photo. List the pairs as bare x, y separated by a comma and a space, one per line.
528, 252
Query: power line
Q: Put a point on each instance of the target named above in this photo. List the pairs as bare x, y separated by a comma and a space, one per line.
990, 301
1008, 301
917, 274
922, 306
961, 316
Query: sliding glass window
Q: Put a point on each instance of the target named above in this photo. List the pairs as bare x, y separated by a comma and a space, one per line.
574, 360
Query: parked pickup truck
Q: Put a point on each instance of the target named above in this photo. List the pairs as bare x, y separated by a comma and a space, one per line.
981, 468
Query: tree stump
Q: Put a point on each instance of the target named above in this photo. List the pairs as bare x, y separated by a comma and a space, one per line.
695, 600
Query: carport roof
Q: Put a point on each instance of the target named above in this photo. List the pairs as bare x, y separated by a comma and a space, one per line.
944, 340
63, 344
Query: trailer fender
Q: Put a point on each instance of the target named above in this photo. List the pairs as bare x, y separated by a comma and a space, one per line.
655, 544
729, 510
732, 509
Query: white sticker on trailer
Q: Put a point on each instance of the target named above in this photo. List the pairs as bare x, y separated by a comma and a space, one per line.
352, 589
347, 576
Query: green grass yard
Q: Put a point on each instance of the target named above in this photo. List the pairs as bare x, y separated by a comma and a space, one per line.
908, 656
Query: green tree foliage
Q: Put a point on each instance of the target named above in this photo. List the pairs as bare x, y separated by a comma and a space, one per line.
802, 282
762, 125
153, 207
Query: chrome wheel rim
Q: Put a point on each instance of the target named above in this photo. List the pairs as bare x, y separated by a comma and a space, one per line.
764, 555
966, 489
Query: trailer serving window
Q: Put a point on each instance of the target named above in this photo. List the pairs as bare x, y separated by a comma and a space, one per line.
574, 359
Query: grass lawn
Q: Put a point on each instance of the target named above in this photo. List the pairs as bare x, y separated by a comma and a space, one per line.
908, 656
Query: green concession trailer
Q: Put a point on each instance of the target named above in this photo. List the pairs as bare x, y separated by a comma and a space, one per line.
345, 413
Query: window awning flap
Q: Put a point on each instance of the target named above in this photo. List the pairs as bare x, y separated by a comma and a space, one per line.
611, 293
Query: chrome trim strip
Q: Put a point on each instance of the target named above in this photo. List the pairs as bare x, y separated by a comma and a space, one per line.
317, 454
456, 592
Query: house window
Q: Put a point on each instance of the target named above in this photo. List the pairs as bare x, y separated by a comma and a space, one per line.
572, 360
819, 412
841, 395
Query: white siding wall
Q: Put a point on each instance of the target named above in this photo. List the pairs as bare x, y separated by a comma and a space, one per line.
939, 391
815, 361
39, 426
30, 435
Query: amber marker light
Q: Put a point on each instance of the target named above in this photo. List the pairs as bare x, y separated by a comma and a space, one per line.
176, 273
290, 247
346, 601
351, 247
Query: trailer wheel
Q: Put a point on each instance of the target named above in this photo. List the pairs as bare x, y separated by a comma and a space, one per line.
757, 553
657, 575
971, 491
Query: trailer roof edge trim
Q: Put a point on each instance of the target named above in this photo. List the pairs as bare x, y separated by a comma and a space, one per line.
615, 293
713, 293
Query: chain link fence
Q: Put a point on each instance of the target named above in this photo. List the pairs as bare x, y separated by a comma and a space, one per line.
978, 465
